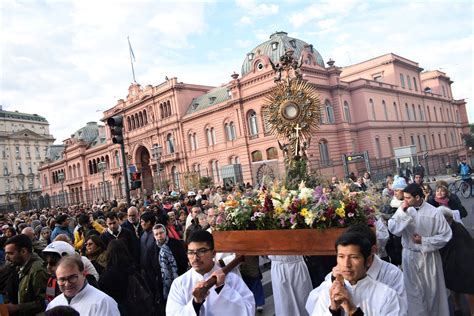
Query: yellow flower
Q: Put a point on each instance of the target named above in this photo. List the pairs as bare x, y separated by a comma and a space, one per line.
279, 210
340, 212
323, 218
304, 212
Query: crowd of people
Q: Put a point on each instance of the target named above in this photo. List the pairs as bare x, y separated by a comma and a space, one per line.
153, 258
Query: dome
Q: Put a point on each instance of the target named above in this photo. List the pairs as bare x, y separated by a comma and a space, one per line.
275, 47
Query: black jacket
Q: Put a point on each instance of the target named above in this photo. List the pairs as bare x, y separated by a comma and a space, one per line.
124, 235
454, 203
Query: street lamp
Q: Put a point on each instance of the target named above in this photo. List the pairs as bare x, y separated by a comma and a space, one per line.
61, 179
102, 168
31, 178
156, 152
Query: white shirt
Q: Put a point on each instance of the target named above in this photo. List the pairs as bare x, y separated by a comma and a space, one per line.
234, 299
90, 301
380, 271
374, 298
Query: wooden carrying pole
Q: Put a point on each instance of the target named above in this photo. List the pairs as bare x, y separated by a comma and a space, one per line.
212, 281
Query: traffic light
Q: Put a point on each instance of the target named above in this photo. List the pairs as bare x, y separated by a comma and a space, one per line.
116, 128
136, 182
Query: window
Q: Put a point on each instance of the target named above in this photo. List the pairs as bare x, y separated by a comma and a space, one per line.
377, 77
324, 152
413, 111
429, 113
402, 81
329, 112
444, 91
37, 152
215, 171
211, 136
192, 141
458, 118
409, 82
30, 168
419, 143
390, 145
420, 110
252, 122
414, 84
385, 110
257, 156
272, 153
28, 155
5, 169
230, 131
347, 112
4, 154
433, 141
446, 140
436, 114
378, 149
400, 140
17, 152
117, 159
440, 141
412, 140
407, 112
175, 175
274, 45
372, 108
234, 160
170, 143
396, 110
20, 171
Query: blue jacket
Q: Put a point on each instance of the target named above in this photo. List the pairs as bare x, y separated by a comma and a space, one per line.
58, 230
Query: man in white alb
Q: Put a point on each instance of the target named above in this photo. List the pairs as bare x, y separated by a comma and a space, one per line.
230, 296
352, 291
424, 231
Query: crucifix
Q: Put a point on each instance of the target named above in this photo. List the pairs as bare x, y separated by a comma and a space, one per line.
297, 129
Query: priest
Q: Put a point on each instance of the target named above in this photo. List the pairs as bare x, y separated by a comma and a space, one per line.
424, 231
230, 295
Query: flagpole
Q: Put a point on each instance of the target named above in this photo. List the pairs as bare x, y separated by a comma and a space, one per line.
130, 51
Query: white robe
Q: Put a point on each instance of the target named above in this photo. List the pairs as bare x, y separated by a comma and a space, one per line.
235, 299
291, 285
90, 301
382, 234
374, 298
421, 263
380, 271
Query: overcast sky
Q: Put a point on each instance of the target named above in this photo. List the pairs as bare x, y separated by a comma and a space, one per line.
69, 60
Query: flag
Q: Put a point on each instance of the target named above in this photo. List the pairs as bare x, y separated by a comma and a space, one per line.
132, 55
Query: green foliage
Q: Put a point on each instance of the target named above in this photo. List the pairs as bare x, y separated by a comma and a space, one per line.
469, 139
297, 172
205, 182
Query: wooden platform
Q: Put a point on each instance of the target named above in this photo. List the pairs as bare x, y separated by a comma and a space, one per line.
278, 242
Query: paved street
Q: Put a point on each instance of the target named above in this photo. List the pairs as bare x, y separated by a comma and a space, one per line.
468, 221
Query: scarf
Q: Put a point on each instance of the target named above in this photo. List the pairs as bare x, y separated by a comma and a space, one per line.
172, 232
442, 201
169, 268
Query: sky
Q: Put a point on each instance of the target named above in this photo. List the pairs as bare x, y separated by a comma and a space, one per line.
69, 60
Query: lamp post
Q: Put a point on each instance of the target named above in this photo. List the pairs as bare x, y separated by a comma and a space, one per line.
61, 179
102, 168
31, 178
156, 152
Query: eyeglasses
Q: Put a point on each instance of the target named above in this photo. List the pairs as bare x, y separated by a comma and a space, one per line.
71, 279
90, 244
199, 253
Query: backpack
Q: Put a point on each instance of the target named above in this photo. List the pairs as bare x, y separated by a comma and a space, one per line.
139, 297
464, 170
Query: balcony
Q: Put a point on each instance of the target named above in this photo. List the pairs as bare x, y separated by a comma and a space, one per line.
170, 157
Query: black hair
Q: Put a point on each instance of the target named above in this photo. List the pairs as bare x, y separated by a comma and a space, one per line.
148, 217
83, 219
96, 240
62, 311
365, 230
60, 219
20, 241
357, 239
70, 261
118, 254
414, 189
111, 215
201, 236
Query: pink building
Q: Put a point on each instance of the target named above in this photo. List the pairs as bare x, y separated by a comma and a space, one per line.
220, 132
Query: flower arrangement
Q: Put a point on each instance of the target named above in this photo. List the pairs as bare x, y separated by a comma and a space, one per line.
279, 208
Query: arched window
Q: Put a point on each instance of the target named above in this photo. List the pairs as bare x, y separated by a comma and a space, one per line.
45, 181
329, 112
266, 125
257, 156
140, 119
169, 108
413, 111
210, 139
145, 118
420, 110
129, 124
407, 112
162, 113
170, 143
230, 131
133, 123
347, 112
117, 159
324, 152
372, 108
191, 141
234, 160
252, 122
213, 134
91, 170
79, 170
385, 110
272, 153
175, 176
137, 121
74, 171
215, 171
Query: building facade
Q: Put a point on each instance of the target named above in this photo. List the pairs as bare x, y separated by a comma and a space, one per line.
24, 139
176, 133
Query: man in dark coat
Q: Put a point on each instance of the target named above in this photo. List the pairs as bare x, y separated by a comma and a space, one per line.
132, 223
115, 231
166, 261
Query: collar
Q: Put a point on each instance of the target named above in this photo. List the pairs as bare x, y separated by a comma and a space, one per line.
375, 268
359, 283
79, 294
118, 231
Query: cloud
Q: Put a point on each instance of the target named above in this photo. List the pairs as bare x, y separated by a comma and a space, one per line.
245, 20
257, 10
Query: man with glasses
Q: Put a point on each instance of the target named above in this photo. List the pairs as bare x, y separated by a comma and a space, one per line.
78, 294
230, 295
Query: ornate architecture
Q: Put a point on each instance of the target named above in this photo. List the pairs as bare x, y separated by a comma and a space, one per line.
177, 132
24, 139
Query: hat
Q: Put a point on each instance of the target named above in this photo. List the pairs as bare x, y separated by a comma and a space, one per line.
442, 184
191, 193
62, 248
399, 183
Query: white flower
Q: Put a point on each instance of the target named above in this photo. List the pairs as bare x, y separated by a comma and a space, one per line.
305, 194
